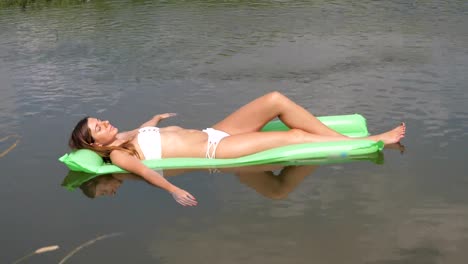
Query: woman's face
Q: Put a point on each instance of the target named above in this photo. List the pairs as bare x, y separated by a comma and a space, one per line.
102, 132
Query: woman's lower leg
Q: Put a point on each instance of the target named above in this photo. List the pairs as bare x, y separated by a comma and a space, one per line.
254, 115
295, 116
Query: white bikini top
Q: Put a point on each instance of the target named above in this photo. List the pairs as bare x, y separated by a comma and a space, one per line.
149, 140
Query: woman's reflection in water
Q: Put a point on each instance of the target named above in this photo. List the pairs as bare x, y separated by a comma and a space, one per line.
266, 183
261, 178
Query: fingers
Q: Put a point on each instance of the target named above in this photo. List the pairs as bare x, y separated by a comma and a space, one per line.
167, 115
190, 200
185, 199
187, 203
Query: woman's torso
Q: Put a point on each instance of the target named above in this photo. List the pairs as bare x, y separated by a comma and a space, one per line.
178, 142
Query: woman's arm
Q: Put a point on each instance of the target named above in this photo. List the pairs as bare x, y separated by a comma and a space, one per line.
155, 120
152, 122
134, 165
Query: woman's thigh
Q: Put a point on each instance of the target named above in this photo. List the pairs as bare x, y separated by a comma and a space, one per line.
252, 116
249, 143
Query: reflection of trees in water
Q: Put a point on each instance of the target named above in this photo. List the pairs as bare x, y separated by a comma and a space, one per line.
8, 107
40, 3
83, 59
360, 216
438, 230
365, 223
53, 68
233, 238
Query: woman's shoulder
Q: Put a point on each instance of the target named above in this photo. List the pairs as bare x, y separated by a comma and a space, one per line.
120, 154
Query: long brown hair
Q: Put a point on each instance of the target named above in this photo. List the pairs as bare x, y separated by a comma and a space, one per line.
81, 139
89, 187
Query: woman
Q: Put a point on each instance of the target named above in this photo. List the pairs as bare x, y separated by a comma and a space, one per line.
236, 135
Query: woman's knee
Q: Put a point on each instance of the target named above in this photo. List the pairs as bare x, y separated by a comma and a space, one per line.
276, 95
297, 135
276, 98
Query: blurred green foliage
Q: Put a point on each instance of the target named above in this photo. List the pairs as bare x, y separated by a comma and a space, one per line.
39, 3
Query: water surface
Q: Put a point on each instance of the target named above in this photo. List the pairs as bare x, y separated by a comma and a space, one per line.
127, 60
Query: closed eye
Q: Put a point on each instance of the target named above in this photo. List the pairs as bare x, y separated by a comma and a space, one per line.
98, 127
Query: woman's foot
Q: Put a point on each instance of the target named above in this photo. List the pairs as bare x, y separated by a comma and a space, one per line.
392, 136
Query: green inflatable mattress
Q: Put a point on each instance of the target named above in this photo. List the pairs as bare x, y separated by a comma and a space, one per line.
84, 160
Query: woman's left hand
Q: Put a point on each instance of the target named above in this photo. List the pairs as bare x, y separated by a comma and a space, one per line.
183, 197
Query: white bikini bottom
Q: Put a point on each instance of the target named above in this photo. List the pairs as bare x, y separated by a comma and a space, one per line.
214, 137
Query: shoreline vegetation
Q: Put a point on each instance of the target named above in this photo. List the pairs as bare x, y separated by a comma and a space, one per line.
39, 3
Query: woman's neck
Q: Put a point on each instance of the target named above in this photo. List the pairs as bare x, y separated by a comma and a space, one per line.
126, 135
117, 142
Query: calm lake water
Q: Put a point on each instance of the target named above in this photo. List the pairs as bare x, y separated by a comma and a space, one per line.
125, 61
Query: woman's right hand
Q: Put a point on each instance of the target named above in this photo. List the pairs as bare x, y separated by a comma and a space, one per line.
183, 197
155, 119
160, 117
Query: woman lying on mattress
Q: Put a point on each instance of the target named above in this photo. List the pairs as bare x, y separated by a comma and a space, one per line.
235, 136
